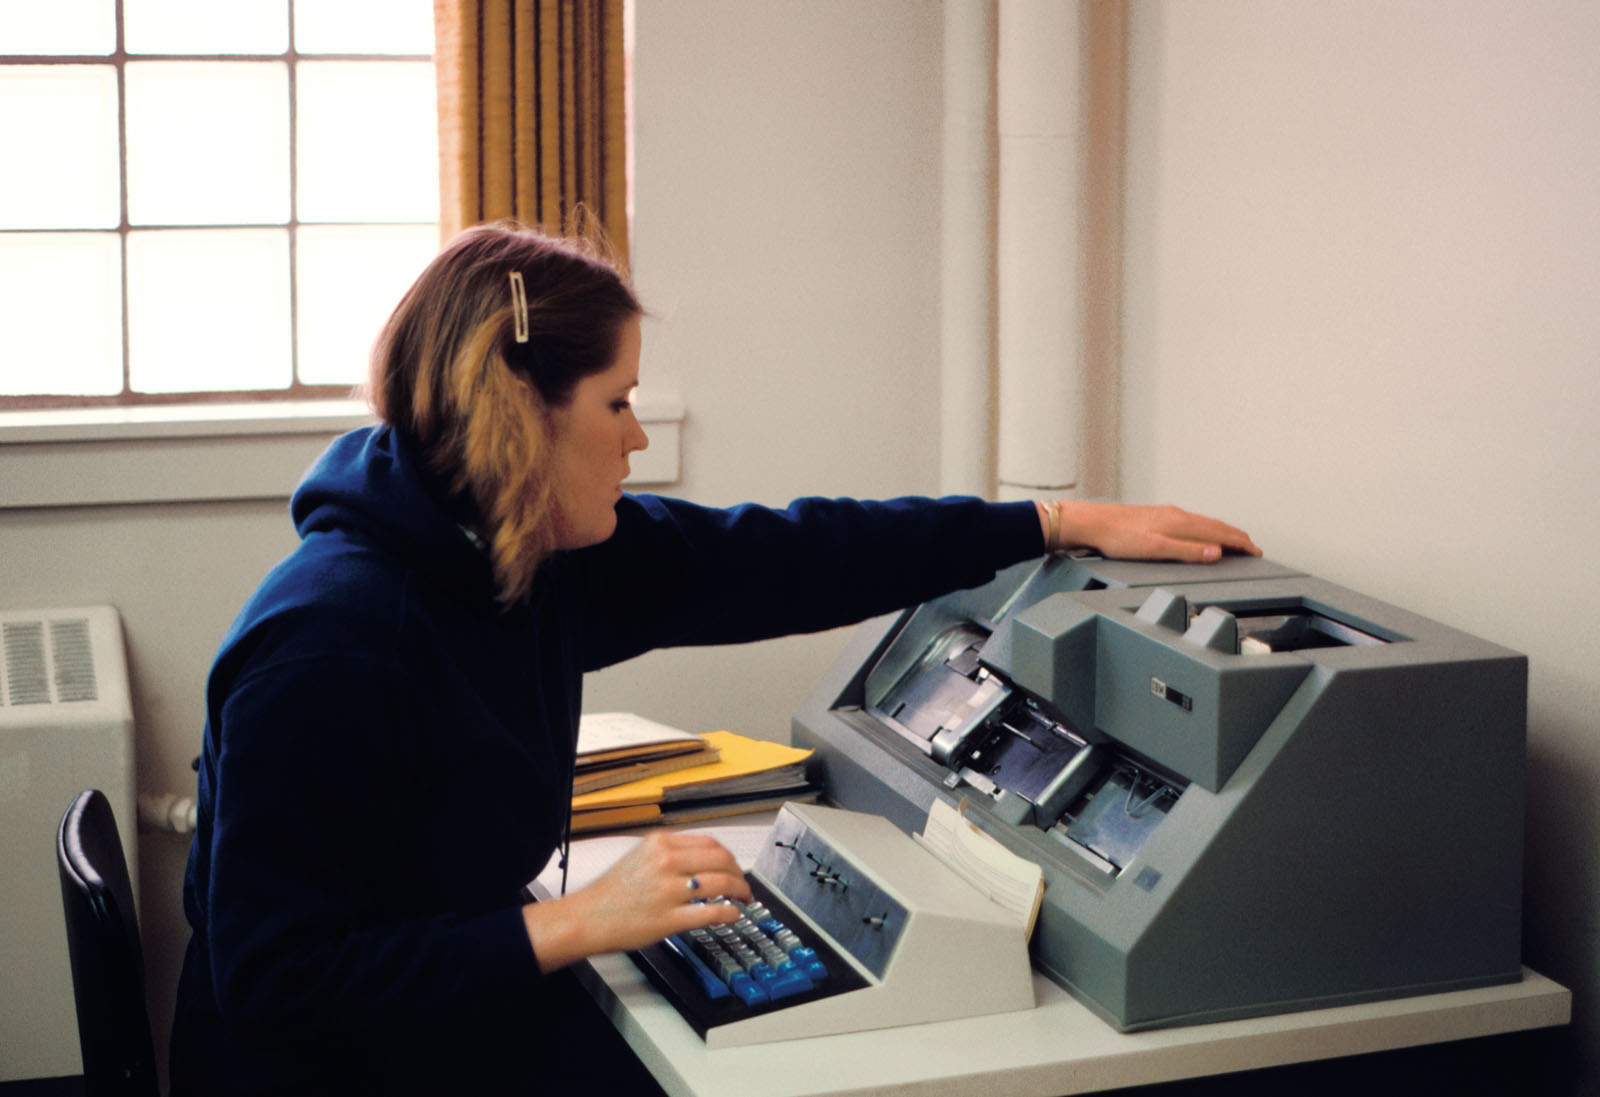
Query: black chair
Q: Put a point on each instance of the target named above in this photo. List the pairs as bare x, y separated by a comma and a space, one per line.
107, 958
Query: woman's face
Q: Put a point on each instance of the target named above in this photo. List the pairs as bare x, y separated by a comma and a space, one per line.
594, 434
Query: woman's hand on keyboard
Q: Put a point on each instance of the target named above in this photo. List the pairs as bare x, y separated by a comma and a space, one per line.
649, 894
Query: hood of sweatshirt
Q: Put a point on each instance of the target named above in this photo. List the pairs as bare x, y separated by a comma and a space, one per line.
370, 487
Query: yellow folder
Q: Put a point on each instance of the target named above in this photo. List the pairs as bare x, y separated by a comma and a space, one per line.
744, 765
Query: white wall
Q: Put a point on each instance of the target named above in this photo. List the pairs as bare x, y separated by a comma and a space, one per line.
1362, 318
786, 240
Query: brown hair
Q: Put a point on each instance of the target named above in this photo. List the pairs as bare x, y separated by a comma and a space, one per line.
449, 375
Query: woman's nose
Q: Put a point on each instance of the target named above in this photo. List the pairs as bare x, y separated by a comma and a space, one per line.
637, 439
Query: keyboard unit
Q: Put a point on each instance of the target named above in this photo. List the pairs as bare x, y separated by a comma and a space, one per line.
863, 928
745, 969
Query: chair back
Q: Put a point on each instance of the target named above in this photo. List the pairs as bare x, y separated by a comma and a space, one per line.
107, 958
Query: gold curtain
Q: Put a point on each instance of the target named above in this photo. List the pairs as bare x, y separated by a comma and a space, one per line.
532, 116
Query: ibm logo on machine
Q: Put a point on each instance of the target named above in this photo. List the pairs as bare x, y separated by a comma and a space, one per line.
1167, 693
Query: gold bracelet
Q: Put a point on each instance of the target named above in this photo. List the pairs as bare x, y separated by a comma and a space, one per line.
1053, 539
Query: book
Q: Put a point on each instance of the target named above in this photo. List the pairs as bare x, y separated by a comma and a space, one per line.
691, 811
610, 738
744, 765
749, 774
595, 778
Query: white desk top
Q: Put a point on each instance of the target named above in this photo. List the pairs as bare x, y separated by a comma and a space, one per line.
1056, 1048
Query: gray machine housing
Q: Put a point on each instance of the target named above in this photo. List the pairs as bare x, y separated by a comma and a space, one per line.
1251, 790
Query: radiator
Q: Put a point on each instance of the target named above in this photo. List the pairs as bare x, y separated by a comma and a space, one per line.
66, 724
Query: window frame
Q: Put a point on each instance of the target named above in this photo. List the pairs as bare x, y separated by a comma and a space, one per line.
227, 446
297, 392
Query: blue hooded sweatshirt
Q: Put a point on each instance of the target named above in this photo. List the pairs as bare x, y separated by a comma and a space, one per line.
388, 754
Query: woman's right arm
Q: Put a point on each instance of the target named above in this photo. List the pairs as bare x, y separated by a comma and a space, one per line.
649, 894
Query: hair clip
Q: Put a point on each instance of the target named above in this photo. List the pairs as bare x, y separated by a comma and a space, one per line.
519, 304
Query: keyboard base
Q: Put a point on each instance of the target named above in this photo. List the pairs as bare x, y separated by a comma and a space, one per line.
671, 976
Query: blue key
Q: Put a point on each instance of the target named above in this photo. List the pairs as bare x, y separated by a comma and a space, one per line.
709, 982
786, 979
809, 962
747, 989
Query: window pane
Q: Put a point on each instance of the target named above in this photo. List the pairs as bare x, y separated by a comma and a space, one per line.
363, 26
58, 126
206, 26
367, 141
208, 310
60, 26
208, 142
349, 279
60, 314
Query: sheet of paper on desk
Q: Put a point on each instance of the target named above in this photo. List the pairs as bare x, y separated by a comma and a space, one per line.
591, 857
618, 736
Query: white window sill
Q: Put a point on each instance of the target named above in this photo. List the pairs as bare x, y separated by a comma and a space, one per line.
205, 452
182, 421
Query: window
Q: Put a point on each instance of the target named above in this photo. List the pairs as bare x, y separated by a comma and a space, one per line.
208, 199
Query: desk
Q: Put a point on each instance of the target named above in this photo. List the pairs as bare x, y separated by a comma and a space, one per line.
1056, 1048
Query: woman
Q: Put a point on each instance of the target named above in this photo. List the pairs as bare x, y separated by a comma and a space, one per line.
389, 743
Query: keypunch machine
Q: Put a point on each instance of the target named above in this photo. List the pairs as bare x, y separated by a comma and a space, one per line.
1251, 790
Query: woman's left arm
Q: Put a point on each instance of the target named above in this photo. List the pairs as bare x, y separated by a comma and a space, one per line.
1134, 532
676, 573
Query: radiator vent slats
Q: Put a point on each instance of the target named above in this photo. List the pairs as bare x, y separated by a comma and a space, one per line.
74, 671
27, 680
46, 662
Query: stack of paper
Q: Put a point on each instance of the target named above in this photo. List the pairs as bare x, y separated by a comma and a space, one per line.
1013, 882
748, 775
617, 747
